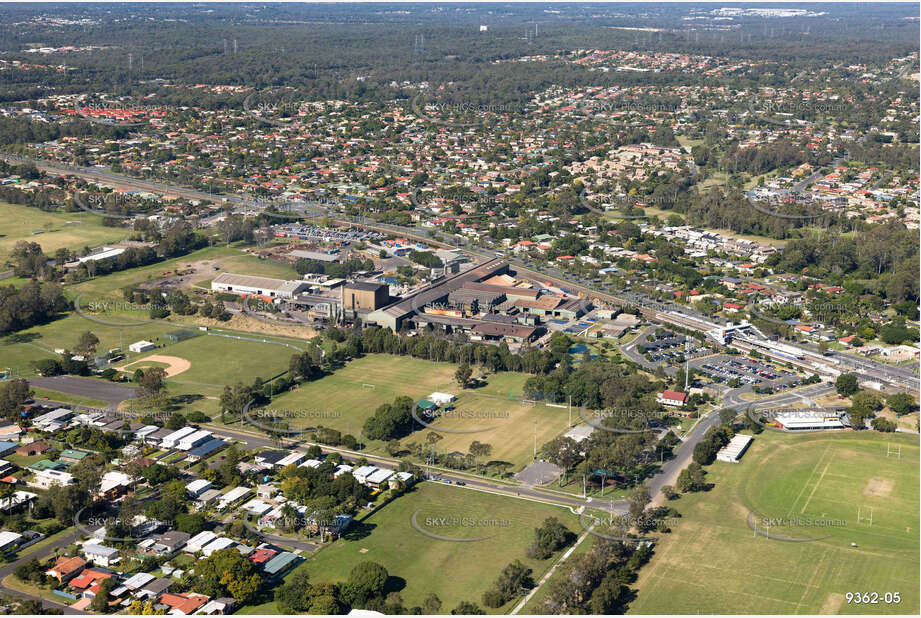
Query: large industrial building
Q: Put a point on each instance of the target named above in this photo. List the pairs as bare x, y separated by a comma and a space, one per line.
485, 302
360, 296
394, 315
247, 285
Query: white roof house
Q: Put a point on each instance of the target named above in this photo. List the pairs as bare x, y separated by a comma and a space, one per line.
135, 582
52, 417
100, 554
46, 479
145, 431
8, 539
222, 542
379, 476
362, 473
19, 497
257, 507
311, 463
237, 493
342, 469
292, 460
198, 487
113, 479
173, 439
193, 439
197, 542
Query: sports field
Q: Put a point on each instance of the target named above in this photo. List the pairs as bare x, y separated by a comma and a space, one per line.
802, 487
494, 414
455, 571
17, 350
55, 230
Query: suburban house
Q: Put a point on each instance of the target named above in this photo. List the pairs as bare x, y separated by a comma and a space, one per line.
39, 447
100, 555
673, 398
171, 542
183, 604
66, 569
46, 479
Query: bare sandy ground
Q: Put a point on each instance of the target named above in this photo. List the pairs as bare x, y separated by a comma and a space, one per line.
176, 365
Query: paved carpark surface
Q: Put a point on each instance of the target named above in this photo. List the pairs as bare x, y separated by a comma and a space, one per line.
669, 346
539, 473
110, 392
751, 372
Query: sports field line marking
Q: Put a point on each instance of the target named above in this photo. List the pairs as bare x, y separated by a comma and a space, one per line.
816, 486
815, 573
806, 484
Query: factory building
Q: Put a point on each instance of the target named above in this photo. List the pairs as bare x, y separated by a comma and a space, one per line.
246, 285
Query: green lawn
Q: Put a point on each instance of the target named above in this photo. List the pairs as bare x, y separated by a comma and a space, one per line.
713, 562
420, 564
345, 399
70, 230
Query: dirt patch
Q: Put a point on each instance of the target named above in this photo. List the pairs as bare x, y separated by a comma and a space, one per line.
832, 603
175, 365
878, 487
239, 321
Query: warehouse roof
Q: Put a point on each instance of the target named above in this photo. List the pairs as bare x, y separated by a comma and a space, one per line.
261, 283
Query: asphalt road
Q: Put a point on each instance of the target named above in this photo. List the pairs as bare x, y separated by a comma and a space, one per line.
110, 392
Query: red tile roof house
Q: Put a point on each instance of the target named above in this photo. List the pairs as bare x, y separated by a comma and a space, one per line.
731, 307
88, 581
261, 556
847, 340
673, 398
66, 569
183, 604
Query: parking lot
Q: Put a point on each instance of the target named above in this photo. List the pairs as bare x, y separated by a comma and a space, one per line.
725, 369
668, 347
